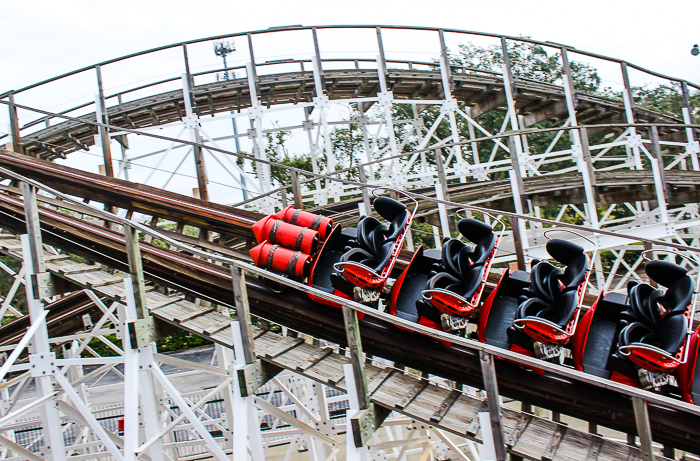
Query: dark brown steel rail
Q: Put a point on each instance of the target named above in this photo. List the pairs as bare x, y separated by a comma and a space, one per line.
64, 318
601, 406
140, 198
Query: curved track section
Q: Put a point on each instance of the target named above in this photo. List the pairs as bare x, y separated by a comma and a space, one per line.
536, 102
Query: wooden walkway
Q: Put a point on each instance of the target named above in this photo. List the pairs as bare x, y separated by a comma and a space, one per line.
526, 435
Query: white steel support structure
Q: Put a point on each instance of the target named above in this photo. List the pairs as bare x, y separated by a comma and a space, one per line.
40, 349
256, 114
577, 150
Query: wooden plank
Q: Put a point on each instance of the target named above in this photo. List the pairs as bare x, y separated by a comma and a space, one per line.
474, 426
78, 269
412, 394
180, 312
299, 355
283, 347
594, 448
379, 379
311, 362
519, 428
444, 406
554, 442
207, 323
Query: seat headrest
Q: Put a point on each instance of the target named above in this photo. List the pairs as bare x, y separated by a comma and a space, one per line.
388, 208
563, 250
664, 272
473, 230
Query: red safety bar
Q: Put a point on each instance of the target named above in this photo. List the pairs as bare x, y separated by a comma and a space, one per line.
652, 358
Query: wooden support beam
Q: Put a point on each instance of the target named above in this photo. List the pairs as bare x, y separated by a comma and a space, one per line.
506, 61
240, 294
296, 191
352, 332
74, 141
133, 252
39, 277
14, 126
569, 75
446, 58
101, 113
488, 372
641, 417
656, 152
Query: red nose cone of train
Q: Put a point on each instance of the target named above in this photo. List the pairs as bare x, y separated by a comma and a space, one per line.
319, 223
279, 259
278, 232
258, 228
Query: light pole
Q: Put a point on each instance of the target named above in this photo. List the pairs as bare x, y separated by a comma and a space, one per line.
223, 48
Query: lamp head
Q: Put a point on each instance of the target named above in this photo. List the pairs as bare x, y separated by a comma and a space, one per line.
695, 51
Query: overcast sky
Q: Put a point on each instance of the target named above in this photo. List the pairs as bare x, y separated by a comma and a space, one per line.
42, 38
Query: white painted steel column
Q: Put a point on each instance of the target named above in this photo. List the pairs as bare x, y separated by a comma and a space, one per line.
322, 104
450, 105
246, 426
632, 137
386, 99
442, 210
32, 250
255, 113
131, 374
151, 407
513, 119
659, 187
487, 449
693, 146
517, 200
352, 453
578, 156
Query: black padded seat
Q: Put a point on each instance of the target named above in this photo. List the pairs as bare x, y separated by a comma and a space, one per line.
370, 234
573, 257
644, 307
656, 317
393, 211
669, 335
376, 262
559, 313
483, 237
455, 257
675, 278
376, 241
545, 281
548, 282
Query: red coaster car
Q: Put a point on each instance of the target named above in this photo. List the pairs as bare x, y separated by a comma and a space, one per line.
442, 289
537, 313
356, 263
649, 336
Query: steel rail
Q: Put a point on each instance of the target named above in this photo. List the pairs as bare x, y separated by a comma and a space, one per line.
351, 26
